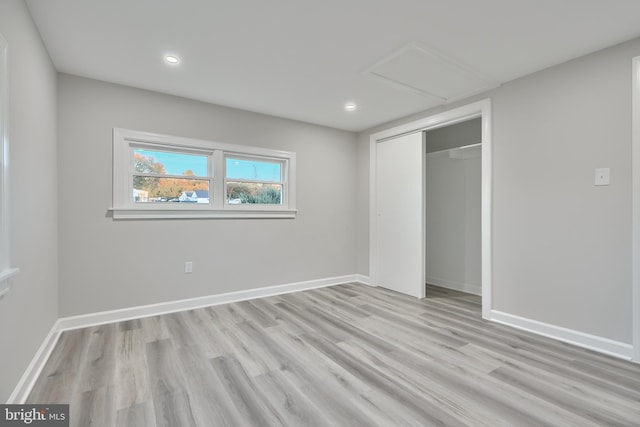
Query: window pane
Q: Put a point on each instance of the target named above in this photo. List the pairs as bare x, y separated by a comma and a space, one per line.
257, 170
169, 163
149, 189
256, 193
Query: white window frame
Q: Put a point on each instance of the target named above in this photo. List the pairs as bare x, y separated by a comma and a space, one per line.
5, 260
126, 140
284, 164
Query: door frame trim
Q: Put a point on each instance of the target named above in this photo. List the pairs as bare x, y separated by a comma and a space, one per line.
476, 109
635, 196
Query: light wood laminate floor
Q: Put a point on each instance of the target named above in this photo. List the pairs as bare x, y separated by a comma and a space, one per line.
347, 355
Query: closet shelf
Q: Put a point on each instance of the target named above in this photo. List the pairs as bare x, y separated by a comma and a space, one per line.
464, 152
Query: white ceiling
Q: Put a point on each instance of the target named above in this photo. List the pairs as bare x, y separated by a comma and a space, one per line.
304, 59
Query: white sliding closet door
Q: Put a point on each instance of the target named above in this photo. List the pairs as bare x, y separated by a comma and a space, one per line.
400, 208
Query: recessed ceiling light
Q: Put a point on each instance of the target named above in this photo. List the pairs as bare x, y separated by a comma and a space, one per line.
350, 106
172, 59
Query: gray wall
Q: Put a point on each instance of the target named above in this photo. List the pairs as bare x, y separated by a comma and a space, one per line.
561, 246
29, 311
107, 264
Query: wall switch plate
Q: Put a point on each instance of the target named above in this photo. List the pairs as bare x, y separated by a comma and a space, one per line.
602, 176
188, 267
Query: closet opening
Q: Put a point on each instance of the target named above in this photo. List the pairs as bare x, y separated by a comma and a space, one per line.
453, 212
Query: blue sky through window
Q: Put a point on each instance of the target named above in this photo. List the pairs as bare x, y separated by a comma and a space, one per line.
253, 169
177, 163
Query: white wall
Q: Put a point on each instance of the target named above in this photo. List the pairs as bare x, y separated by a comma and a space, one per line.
107, 264
29, 311
561, 246
453, 238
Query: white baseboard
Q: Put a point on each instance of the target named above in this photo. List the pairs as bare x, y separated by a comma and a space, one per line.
92, 319
365, 280
457, 286
28, 379
592, 342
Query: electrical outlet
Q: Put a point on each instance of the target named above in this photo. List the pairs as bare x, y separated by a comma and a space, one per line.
188, 267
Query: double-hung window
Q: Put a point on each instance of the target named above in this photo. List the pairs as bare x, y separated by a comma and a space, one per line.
255, 180
161, 176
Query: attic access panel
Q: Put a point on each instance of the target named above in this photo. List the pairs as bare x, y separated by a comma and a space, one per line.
430, 73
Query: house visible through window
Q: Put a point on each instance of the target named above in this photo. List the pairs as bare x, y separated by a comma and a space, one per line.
156, 176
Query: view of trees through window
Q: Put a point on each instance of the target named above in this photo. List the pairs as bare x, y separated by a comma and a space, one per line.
158, 177
251, 192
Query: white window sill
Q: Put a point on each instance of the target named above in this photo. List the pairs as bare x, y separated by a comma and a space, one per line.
119, 213
4, 276
9, 272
